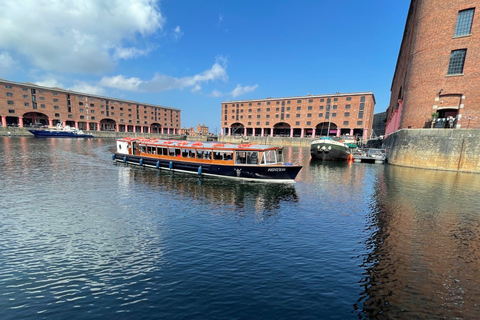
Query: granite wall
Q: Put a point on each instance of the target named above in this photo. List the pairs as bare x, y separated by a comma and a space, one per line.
441, 149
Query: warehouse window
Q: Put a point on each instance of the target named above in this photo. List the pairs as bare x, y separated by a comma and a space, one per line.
457, 60
464, 22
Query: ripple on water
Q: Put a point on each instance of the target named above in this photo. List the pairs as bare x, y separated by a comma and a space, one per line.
346, 241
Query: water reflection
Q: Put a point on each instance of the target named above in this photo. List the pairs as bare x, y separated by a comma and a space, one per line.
423, 259
260, 198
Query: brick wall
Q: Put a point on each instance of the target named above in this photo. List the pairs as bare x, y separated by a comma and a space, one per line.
421, 79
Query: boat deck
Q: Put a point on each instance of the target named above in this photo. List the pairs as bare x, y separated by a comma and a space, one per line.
370, 155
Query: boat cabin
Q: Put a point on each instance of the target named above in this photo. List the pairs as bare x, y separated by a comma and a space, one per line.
202, 152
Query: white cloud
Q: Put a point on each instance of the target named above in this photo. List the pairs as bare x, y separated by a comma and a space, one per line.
216, 94
162, 82
88, 88
197, 88
120, 82
50, 82
239, 90
80, 86
7, 63
77, 35
177, 33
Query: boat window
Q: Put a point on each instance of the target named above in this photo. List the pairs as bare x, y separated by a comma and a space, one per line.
174, 152
191, 153
269, 156
222, 155
228, 155
252, 157
199, 154
207, 155
185, 153
151, 150
162, 151
141, 149
280, 154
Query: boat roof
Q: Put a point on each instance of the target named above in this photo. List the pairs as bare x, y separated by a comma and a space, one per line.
199, 144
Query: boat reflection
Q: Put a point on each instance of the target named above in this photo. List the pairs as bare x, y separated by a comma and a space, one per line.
423, 243
264, 198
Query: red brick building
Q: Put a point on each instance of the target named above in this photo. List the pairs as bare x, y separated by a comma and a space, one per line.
306, 116
26, 104
202, 130
438, 67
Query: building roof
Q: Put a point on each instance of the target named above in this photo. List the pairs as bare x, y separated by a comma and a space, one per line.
82, 93
307, 96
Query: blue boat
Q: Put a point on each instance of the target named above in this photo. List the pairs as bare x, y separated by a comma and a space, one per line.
59, 132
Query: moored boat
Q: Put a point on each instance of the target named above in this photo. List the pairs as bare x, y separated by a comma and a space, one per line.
59, 132
328, 148
370, 155
239, 161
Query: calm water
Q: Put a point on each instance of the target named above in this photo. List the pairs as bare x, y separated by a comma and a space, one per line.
82, 238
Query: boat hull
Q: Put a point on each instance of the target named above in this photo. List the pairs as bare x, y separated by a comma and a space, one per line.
326, 150
283, 174
58, 134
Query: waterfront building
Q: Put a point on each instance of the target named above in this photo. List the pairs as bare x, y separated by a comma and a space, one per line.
202, 130
27, 104
378, 128
437, 75
337, 114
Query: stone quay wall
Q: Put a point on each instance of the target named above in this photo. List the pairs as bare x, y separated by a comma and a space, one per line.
439, 149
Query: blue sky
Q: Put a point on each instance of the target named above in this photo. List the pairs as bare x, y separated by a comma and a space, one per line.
192, 54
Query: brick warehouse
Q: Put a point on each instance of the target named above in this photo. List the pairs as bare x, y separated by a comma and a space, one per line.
305, 116
26, 104
437, 75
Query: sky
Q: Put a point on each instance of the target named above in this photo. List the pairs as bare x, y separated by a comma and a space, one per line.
193, 55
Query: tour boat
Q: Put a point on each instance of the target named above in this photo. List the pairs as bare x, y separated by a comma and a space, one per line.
239, 161
328, 148
59, 132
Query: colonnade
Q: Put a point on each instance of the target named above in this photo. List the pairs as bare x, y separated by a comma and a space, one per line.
97, 125
303, 132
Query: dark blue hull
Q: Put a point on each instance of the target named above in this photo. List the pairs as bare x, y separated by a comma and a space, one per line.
242, 172
58, 134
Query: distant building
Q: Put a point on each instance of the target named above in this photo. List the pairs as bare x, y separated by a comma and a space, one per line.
303, 116
438, 70
26, 104
202, 130
378, 128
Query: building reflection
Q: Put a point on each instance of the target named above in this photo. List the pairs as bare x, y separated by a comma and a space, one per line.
422, 244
